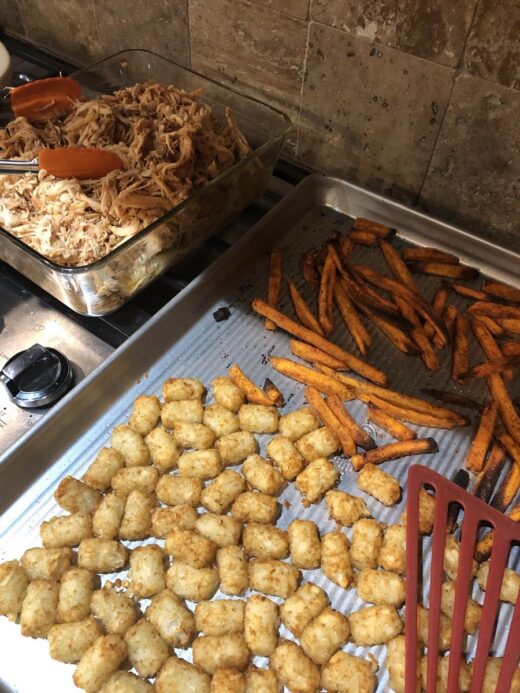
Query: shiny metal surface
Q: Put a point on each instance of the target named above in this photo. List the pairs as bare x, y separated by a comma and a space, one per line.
19, 166
184, 339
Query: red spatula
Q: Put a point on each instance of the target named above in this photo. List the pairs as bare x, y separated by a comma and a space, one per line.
44, 99
67, 162
506, 532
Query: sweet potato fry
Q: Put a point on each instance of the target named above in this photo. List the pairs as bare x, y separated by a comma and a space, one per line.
508, 293
487, 478
495, 310
492, 325
438, 303
306, 335
392, 426
429, 255
508, 489
303, 311
444, 269
488, 343
511, 349
511, 446
329, 419
468, 292
274, 283
420, 418
273, 393
407, 311
398, 338
509, 325
485, 544
380, 230
347, 246
449, 316
482, 440
486, 368
460, 357
397, 265
363, 238
428, 355
253, 393
508, 413
308, 268
308, 376
452, 398
394, 451
351, 318
360, 436
364, 295
313, 355
328, 276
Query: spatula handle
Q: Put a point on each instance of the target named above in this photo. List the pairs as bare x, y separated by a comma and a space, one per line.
15, 166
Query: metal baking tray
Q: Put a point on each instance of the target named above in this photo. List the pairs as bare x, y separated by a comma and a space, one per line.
184, 339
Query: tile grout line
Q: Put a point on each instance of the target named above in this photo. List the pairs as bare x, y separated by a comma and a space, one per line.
304, 70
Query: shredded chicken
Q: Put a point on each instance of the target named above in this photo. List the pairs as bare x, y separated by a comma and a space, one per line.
169, 141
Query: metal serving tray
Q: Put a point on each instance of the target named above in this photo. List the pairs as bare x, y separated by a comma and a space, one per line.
184, 339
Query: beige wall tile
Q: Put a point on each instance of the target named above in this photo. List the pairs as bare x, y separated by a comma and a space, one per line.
370, 113
293, 8
432, 29
474, 173
493, 48
11, 17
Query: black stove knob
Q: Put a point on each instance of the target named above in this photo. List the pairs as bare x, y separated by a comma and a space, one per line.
37, 377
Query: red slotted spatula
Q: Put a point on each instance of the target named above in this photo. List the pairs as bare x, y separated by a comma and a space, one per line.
506, 532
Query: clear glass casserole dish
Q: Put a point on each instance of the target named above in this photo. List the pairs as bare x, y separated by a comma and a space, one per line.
105, 285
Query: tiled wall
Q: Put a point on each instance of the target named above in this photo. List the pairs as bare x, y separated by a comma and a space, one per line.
418, 99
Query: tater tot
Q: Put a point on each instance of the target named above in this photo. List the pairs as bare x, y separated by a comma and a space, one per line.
137, 519
232, 570
38, 613
131, 445
367, 537
344, 508
125, 682
66, 530
212, 652
381, 587
13, 587
100, 472
182, 411
201, 464
227, 394
163, 449
392, 554
344, 671
286, 456
131, 478
445, 628
222, 421
76, 497
179, 490
317, 444
171, 618
102, 555
165, 519
261, 622
218, 496
76, 588
46, 564
296, 424
304, 544
193, 435
108, 516
294, 669
175, 389
489, 685
116, 611
178, 676
228, 681
335, 559
325, 635
265, 541
473, 608
374, 625
379, 484
273, 577
262, 681
146, 574
426, 512
221, 529
442, 675
253, 506
235, 447
302, 607
396, 663
190, 547
262, 476
146, 649
510, 582
220, 617
258, 418
145, 414
68, 642
99, 662
194, 584
316, 479
451, 558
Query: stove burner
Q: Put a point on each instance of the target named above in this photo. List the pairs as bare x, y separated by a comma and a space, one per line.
37, 377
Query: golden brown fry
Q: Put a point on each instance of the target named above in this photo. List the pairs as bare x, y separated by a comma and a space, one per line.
328, 277
253, 393
274, 282
398, 338
509, 325
429, 357
303, 311
394, 451
487, 342
485, 544
511, 349
351, 318
308, 268
508, 489
395, 428
421, 418
429, 254
273, 393
468, 292
329, 419
363, 238
314, 355
308, 376
444, 269
397, 265
482, 440
451, 398
380, 230
487, 478
460, 357
508, 414
407, 311
306, 335
438, 303
449, 316
495, 310
503, 291
492, 325
360, 436
486, 368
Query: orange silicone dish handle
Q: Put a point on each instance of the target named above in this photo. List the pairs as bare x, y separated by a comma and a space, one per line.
45, 98
78, 162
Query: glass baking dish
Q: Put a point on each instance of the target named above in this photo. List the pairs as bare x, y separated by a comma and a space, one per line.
105, 285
